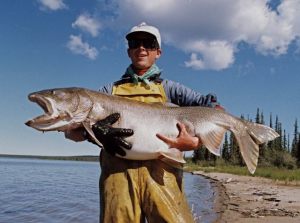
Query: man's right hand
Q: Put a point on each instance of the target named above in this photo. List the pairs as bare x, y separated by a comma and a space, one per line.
112, 138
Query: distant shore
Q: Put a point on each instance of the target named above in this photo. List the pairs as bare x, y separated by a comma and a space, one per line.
75, 158
246, 199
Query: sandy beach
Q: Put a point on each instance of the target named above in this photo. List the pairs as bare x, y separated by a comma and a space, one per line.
254, 199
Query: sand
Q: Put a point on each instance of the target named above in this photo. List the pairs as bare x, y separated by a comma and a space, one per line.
254, 199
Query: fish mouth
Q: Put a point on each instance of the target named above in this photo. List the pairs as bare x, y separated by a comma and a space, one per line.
45, 121
44, 103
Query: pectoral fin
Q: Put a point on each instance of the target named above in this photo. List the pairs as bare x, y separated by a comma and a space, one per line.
211, 136
87, 127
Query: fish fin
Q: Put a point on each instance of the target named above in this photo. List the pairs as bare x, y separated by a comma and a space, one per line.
261, 133
173, 157
249, 138
249, 150
87, 127
211, 136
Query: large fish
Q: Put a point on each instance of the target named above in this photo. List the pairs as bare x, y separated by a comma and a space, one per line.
70, 108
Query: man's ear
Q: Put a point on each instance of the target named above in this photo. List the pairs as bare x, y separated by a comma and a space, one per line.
158, 54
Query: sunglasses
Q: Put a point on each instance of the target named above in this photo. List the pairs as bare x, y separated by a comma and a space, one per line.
146, 43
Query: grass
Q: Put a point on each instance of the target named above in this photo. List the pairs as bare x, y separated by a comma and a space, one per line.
284, 176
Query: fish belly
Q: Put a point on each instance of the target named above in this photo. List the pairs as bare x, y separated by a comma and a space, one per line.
145, 144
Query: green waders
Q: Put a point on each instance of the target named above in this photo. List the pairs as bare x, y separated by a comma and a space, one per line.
132, 190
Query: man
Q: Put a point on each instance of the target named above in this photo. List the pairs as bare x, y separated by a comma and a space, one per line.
132, 190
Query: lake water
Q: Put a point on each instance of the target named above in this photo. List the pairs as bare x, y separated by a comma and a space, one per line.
34, 190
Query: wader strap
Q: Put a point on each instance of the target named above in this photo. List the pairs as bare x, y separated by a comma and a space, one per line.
154, 92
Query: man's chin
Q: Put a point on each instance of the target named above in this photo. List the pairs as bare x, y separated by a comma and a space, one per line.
142, 65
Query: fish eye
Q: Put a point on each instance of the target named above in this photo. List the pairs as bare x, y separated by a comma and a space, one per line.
60, 93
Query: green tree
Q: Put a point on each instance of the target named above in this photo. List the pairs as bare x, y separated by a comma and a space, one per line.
288, 143
277, 145
284, 142
257, 117
262, 148
235, 156
198, 154
262, 119
298, 152
208, 156
225, 150
271, 121
271, 143
295, 141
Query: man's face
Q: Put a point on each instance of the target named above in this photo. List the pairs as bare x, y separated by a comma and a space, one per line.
142, 53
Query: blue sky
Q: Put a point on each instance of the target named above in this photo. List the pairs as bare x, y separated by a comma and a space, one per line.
245, 51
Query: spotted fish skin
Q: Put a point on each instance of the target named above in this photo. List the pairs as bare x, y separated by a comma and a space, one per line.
71, 108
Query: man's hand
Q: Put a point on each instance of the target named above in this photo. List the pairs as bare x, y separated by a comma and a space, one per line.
111, 138
184, 141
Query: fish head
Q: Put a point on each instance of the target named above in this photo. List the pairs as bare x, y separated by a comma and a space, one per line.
64, 109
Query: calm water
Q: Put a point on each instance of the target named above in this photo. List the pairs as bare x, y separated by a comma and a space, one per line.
33, 190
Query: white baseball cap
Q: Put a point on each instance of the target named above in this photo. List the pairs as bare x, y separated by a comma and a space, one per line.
143, 27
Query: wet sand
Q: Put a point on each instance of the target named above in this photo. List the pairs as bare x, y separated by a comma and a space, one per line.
254, 199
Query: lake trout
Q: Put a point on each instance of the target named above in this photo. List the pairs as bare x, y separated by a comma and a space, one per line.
70, 108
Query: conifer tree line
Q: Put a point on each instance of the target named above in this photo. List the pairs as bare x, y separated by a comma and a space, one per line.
280, 152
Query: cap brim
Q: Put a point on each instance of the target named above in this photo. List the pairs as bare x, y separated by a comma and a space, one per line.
132, 34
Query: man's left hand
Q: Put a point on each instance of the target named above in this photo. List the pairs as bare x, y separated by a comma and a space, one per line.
184, 141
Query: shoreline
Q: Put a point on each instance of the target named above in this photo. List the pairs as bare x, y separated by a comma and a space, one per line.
221, 198
238, 199
250, 199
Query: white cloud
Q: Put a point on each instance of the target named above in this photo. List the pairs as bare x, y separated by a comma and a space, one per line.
88, 24
278, 31
216, 55
77, 46
211, 31
52, 4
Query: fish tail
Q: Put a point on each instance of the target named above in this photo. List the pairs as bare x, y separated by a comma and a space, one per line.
261, 133
249, 136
